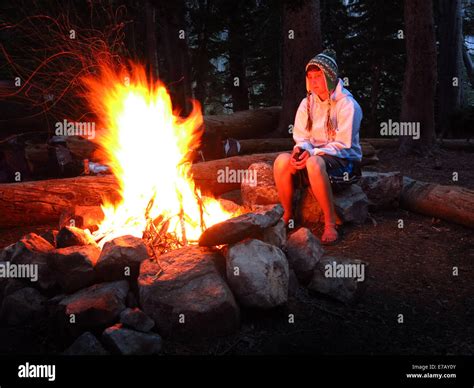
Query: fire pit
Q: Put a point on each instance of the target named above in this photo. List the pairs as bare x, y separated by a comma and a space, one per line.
160, 258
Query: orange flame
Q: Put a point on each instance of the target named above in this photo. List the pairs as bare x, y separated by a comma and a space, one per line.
147, 147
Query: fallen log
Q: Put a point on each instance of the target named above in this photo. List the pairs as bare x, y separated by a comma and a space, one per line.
448, 144
253, 146
40, 202
246, 124
450, 203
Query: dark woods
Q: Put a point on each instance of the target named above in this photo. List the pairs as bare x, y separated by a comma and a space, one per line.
398, 58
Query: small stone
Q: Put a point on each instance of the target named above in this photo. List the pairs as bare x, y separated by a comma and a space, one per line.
34, 250
94, 307
23, 306
303, 251
86, 345
275, 235
121, 258
136, 319
84, 217
74, 266
129, 342
70, 236
339, 278
50, 236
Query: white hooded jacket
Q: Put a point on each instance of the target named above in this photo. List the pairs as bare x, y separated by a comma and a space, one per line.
345, 115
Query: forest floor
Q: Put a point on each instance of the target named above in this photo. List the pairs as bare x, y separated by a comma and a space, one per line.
409, 272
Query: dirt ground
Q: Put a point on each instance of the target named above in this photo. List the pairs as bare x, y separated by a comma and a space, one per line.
410, 272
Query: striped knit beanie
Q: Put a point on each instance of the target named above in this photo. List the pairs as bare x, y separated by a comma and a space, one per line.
326, 61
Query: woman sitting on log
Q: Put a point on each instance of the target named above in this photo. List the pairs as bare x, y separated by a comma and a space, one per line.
326, 133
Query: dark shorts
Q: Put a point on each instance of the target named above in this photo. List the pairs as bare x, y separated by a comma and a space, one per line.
341, 172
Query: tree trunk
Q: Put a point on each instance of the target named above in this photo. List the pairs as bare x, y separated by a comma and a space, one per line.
237, 57
151, 46
244, 125
419, 84
173, 41
201, 60
374, 99
450, 203
449, 72
301, 42
468, 64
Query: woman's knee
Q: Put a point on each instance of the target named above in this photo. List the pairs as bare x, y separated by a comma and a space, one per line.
282, 162
315, 165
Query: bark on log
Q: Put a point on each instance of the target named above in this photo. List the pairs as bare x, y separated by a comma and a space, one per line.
246, 124
39, 202
450, 203
449, 144
253, 146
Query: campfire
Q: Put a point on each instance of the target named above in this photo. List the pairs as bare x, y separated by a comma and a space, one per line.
148, 147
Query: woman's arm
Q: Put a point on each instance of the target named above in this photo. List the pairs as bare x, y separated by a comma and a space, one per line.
300, 134
349, 117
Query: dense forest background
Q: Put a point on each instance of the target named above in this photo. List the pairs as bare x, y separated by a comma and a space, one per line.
246, 54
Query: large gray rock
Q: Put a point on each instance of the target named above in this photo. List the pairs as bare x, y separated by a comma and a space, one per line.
264, 192
339, 278
74, 266
351, 205
241, 227
121, 258
7, 252
275, 235
304, 252
258, 274
136, 319
33, 250
23, 306
70, 236
95, 307
50, 236
382, 188
86, 345
12, 285
129, 342
189, 296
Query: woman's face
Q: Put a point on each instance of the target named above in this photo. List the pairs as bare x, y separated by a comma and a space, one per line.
317, 81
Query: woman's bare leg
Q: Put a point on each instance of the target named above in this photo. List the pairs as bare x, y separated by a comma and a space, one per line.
319, 180
283, 172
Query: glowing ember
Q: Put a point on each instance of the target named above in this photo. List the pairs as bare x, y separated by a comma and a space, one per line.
147, 146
